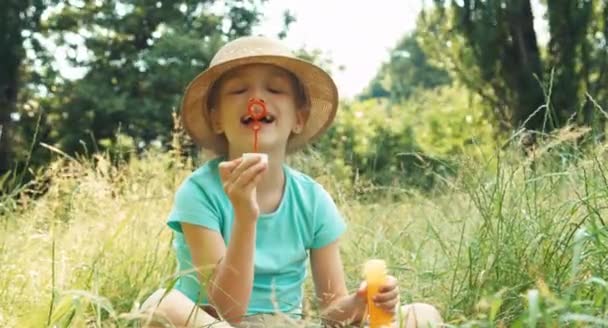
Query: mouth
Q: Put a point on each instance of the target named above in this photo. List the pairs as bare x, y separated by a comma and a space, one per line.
248, 119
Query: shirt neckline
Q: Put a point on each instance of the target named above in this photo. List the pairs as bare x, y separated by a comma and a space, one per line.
286, 188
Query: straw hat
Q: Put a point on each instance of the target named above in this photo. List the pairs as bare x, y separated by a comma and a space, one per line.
319, 88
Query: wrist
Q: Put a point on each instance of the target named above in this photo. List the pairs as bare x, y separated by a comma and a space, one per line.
245, 215
346, 310
359, 302
242, 222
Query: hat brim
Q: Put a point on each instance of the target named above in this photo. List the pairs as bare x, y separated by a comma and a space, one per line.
320, 89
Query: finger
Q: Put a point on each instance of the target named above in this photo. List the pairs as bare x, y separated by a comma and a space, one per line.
248, 188
230, 165
386, 296
389, 306
247, 181
246, 178
244, 165
391, 283
362, 290
227, 167
254, 182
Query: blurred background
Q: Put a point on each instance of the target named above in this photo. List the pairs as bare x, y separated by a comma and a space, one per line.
432, 78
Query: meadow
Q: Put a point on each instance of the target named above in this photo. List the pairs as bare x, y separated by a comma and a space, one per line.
509, 240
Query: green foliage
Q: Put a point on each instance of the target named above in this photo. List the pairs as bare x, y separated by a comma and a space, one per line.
450, 121
407, 70
319, 58
408, 143
495, 52
139, 57
374, 138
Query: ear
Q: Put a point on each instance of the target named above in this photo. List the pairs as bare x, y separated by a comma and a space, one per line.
216, 121
301, 118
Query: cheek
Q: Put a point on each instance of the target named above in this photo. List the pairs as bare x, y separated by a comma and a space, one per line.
229, 110
290, 118
288, 106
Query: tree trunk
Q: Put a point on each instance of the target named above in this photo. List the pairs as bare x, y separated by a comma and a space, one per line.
522, 67
602, 78
503, 43
11, 53
568, 23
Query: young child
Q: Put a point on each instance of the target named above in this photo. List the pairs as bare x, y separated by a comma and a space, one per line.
245, 227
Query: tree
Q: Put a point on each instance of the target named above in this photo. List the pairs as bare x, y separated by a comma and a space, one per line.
498, 49
137, 57
568, 22
593, 73
17, 18
492, 46
408, 69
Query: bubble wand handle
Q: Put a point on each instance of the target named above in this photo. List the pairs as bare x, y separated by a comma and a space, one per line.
257, 109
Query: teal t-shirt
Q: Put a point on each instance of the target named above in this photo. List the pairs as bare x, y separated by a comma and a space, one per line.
306, 218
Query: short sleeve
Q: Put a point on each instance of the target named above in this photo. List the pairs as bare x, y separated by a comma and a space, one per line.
193, 205
329, 223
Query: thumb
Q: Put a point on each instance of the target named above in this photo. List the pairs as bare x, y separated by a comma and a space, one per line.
362, 290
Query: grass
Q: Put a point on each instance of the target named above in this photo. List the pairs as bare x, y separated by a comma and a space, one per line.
506, 242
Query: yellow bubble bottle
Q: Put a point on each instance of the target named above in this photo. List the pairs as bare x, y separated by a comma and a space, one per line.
375, 275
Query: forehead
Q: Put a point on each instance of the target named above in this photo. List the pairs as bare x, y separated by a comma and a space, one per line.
256, 70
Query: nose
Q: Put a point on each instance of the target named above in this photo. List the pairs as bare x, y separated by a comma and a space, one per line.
258, 92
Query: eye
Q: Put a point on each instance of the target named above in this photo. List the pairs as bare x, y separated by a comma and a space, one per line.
237, 91
275, 90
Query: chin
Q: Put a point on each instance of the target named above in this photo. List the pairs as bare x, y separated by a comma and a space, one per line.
271, 147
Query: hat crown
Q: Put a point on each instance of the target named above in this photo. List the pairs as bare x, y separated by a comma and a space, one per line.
249, 47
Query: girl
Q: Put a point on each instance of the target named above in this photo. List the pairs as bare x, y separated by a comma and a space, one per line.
245, 227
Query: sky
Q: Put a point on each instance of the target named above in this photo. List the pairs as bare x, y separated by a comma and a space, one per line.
357, 35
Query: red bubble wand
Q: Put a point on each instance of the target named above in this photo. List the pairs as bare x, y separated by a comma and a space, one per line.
257, 110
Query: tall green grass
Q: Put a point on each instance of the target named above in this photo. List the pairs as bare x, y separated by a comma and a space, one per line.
512, 241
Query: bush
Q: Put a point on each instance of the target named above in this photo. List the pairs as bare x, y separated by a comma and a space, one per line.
408, 144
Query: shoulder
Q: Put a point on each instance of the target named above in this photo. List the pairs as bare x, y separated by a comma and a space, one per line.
204, 179
303, 181
198, 200
307, 188
325, 221
300, 178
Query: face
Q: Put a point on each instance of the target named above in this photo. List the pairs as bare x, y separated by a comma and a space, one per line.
277, 88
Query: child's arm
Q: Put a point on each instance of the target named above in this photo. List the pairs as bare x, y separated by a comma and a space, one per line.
226, 272
328, 275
